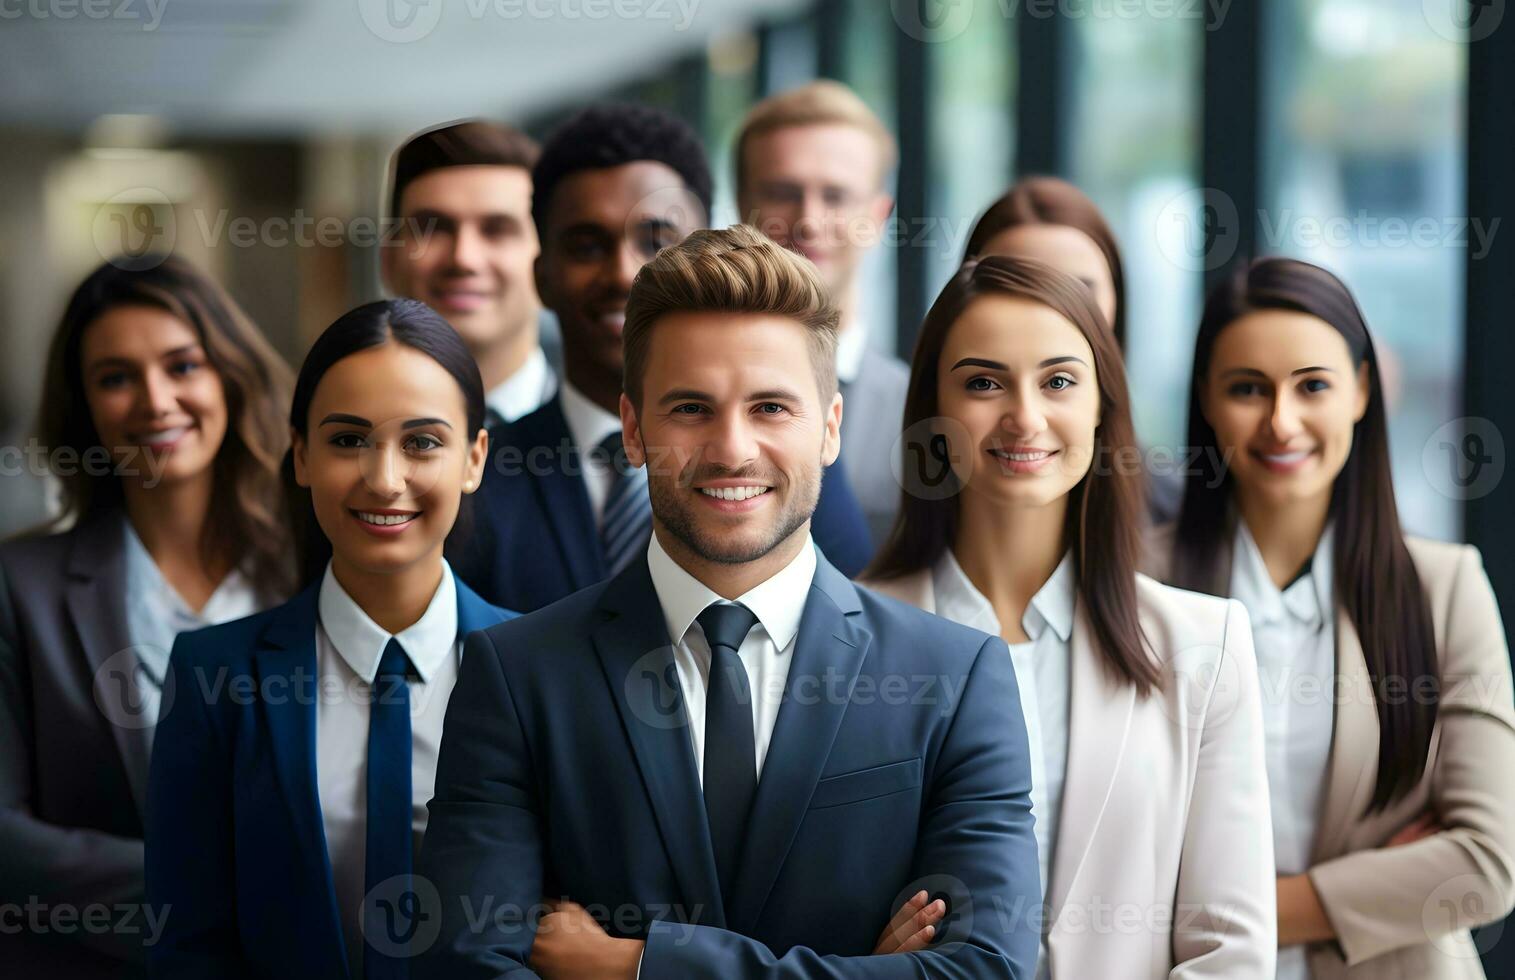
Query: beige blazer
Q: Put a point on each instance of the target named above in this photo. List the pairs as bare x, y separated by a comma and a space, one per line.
1404, 912
1164, 858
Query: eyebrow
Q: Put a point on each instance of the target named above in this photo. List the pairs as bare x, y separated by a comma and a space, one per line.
419, 423
339, 418
1253, 372
695, 395
984, 362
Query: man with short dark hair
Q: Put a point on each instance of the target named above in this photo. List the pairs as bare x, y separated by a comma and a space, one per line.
728, 761
461, 195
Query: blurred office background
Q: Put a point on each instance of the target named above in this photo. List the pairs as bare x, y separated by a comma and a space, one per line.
1371, 136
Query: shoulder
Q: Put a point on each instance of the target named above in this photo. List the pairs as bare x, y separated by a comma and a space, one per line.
558, 623
1438, 563
912, 589
27, 555
1178, 621
228, 644
902, 631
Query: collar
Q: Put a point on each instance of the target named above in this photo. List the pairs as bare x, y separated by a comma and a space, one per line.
778, 603
525, 391
959, 600
360, 641
1307, 600
851, 345
588, 423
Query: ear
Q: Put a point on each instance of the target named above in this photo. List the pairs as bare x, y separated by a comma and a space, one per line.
631, 433
831, 444
389, 249
297, 453
478, 457
539, 279
1364, 391
880, 208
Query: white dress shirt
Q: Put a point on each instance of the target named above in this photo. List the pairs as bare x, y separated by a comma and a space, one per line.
1293, 632
588, 425
349, 646
1043, 669
766, 653
156, 614
525, 391
851, 344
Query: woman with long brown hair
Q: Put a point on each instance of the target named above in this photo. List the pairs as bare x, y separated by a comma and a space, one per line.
162, 415
1385, 674
1021, 518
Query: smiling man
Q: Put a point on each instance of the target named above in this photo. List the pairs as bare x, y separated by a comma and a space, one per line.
559, 510
713, 765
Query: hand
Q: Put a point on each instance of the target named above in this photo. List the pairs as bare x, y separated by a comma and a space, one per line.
913, 926
1426, 825
570, 943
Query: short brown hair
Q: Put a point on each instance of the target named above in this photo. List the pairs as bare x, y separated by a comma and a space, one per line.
470, 143
818, 103
730, 270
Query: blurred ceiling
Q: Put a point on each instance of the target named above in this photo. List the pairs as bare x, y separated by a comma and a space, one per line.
293, 67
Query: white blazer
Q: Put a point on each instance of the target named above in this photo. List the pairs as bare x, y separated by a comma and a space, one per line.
1164, 860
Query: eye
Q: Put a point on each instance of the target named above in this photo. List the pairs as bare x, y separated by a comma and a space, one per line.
982, 383
688, 408
771, 408
1314, 386
182, 368
348, 440
1243, 389
111, 381
1060, 382
423, 442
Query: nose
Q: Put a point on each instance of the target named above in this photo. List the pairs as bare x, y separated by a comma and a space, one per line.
157, 394
624, 267
1023, 417
732, 444
387, 471
1284, 419
467, 248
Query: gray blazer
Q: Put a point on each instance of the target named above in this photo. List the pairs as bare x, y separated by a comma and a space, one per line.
873, 411
71, 781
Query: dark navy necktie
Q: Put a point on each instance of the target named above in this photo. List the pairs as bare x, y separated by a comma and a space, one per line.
730, 754
389, 799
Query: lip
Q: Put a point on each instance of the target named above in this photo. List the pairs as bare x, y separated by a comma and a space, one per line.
162, 440
724, 506
1283, 463
462, 300
615, 322
383, 530
1037, 459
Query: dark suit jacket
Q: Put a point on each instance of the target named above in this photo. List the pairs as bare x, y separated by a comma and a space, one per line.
235, 840
72, 777
899, 762
534, 538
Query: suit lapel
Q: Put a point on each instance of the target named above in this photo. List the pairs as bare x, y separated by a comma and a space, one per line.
287, 650
831, 643
96, 599
1098, 724
562, 497
637, 659
1353, 769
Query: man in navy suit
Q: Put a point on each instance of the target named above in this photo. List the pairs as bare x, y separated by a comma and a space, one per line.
559, 510
729, 761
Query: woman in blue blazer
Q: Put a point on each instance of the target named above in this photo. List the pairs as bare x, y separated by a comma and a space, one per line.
298, 752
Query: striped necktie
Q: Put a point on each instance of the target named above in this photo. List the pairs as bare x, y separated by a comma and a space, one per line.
626, 522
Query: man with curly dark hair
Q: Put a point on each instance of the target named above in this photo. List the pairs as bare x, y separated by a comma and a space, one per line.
559, 509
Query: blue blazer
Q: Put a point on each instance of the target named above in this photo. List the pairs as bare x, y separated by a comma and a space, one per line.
899, 762
236, 846
535, 540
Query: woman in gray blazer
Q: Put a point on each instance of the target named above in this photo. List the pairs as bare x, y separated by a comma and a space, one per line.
162, 413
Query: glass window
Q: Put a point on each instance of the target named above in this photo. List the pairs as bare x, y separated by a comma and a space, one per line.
1365, 176
1135, 152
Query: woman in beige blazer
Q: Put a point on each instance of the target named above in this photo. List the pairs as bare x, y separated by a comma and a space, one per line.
1391, 731
1021, 516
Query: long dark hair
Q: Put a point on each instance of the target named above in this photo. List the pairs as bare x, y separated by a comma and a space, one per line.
1375, 578
244, 528
1104, 517
1040, 200
403, 321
